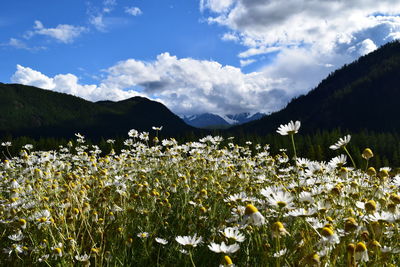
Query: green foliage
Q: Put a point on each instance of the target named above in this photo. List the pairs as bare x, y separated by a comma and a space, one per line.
360, 96
34, 112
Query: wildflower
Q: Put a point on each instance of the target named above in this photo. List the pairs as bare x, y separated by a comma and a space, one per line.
233, 233
16, 237
370, 205
371, 171
57, 250
253, 216
289, 129
278, 229
143, 235
133, 133
341, 143
161, 241
383, 173
6, 144
82, 258
280, 253
350, 224
338, 161
367, 154
223, 248
22, 223
227, 262
329, 236
157, 128
361, 252
279, 199
312, 259
189, 240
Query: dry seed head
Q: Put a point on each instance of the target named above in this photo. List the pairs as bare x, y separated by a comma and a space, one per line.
351, 248
370, 205
350, 224
395, 198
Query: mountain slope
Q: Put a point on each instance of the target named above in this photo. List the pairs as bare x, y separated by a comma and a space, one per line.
214, 121
27, 110
361, 95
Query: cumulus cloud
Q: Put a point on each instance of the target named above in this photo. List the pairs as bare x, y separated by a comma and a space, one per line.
190, 86
185, 85
69, 84
63, 32
134, 11
305, 36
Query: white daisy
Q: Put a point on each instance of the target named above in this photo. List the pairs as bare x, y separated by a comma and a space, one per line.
223, 248
290, 128
233, 233
189, 240
341, 143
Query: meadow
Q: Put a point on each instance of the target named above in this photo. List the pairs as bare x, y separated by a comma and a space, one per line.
205, 203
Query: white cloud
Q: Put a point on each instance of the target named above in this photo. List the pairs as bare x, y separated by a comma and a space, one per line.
246, 62
69, 84
216, 5
134, 11
189, 86
63, 33
310, 38
258, 51
230, 37
185, 85
98, 22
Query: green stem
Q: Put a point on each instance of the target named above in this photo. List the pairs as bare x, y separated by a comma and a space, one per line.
294, 148
351, 158
191, 259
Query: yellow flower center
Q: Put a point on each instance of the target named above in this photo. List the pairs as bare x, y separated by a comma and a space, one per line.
250, 209
227, 260
281, 204
327, 232
361, 247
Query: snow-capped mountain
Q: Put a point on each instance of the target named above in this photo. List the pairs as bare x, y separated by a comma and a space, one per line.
214, 121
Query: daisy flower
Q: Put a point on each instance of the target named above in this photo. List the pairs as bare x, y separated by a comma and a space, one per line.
189, 240
361, 252
233, 233
223, 248
279, 199
341, 143
161, 241
253, 216
290, 128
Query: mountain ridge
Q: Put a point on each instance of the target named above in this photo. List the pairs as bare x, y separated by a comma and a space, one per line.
359, 96
28, 110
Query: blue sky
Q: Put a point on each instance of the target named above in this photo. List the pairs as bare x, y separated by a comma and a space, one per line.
220, 56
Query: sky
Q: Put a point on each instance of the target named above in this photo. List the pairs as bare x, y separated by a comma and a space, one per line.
194, 56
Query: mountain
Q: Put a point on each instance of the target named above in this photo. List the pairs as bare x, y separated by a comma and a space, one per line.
363, 95
214, 121
27, 110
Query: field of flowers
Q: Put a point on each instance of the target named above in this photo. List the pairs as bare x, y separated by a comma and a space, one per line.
205, 203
